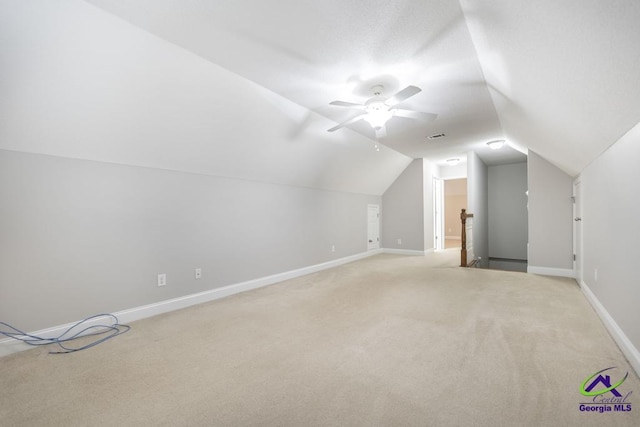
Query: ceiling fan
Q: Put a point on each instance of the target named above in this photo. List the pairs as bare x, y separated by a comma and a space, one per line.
378, 109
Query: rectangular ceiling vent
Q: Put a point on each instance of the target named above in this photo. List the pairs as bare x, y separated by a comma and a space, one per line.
440, 135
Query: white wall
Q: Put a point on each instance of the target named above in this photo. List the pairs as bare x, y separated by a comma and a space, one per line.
403, 208
610, 234
81, 237
453, 172
477, 195
550, 217
507, 203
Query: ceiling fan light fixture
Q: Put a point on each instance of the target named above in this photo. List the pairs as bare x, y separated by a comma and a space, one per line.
379, 109
496, 145
377, 114
453, 162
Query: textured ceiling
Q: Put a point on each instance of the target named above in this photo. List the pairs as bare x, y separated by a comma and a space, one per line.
313, 52
81, 83
564, 75
557, 77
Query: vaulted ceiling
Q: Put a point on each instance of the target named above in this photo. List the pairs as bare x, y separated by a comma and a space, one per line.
242, 88
558, 77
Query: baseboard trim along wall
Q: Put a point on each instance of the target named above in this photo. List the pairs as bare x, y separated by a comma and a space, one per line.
628, 349
547, 271
406, 251
9, 345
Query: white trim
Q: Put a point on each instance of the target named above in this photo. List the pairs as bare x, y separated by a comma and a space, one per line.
10, 345
438, 213
406, 251
548, 271
628, 349
373, 245
576, 228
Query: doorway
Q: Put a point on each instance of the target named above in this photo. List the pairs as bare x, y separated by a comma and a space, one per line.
455, 199
373, 227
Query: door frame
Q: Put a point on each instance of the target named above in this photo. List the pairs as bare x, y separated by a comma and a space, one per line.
578, 264
375, 244
438, 213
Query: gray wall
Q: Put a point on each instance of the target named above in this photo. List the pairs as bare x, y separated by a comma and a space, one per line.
610, 232
508, 223
477, 194
550, 215
408, 208
80, 237
84, 236
403, 207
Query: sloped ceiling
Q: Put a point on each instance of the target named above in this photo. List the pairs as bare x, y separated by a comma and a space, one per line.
313, 52
559, 77
241, 88
81, 83
564, 75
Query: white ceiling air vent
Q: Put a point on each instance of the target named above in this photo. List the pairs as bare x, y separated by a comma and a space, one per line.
439, 135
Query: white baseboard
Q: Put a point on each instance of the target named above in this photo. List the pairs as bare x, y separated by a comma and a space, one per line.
9, 345
406, 251
628, 349
547, 271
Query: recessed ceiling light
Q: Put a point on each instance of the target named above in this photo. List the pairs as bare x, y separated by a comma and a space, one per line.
495, 145
453, 162
439, 135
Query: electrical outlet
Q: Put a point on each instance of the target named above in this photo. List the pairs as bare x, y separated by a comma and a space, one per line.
198, 273
399, 241
162, 279
333, 248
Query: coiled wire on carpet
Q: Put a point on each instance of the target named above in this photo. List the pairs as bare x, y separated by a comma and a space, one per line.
69, 335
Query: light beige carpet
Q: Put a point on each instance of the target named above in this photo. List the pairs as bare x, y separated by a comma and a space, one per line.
389, 340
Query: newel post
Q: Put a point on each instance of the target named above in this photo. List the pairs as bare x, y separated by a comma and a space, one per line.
463, 251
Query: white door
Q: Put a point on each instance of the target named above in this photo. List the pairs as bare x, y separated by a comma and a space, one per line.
577, 232
373, 226
438, 210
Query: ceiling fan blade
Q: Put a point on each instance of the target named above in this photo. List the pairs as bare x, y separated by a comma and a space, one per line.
346, 104
417, 115
348, 122
405, 93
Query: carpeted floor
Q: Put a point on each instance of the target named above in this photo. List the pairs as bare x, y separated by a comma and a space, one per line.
388, 340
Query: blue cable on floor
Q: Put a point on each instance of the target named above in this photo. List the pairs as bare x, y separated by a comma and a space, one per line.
112, 330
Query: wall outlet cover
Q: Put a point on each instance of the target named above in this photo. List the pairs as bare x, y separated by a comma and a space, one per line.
162, 279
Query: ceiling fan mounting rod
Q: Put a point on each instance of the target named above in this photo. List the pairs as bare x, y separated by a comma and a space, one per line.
377, 90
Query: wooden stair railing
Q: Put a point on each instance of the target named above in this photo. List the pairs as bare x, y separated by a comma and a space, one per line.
463, 251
